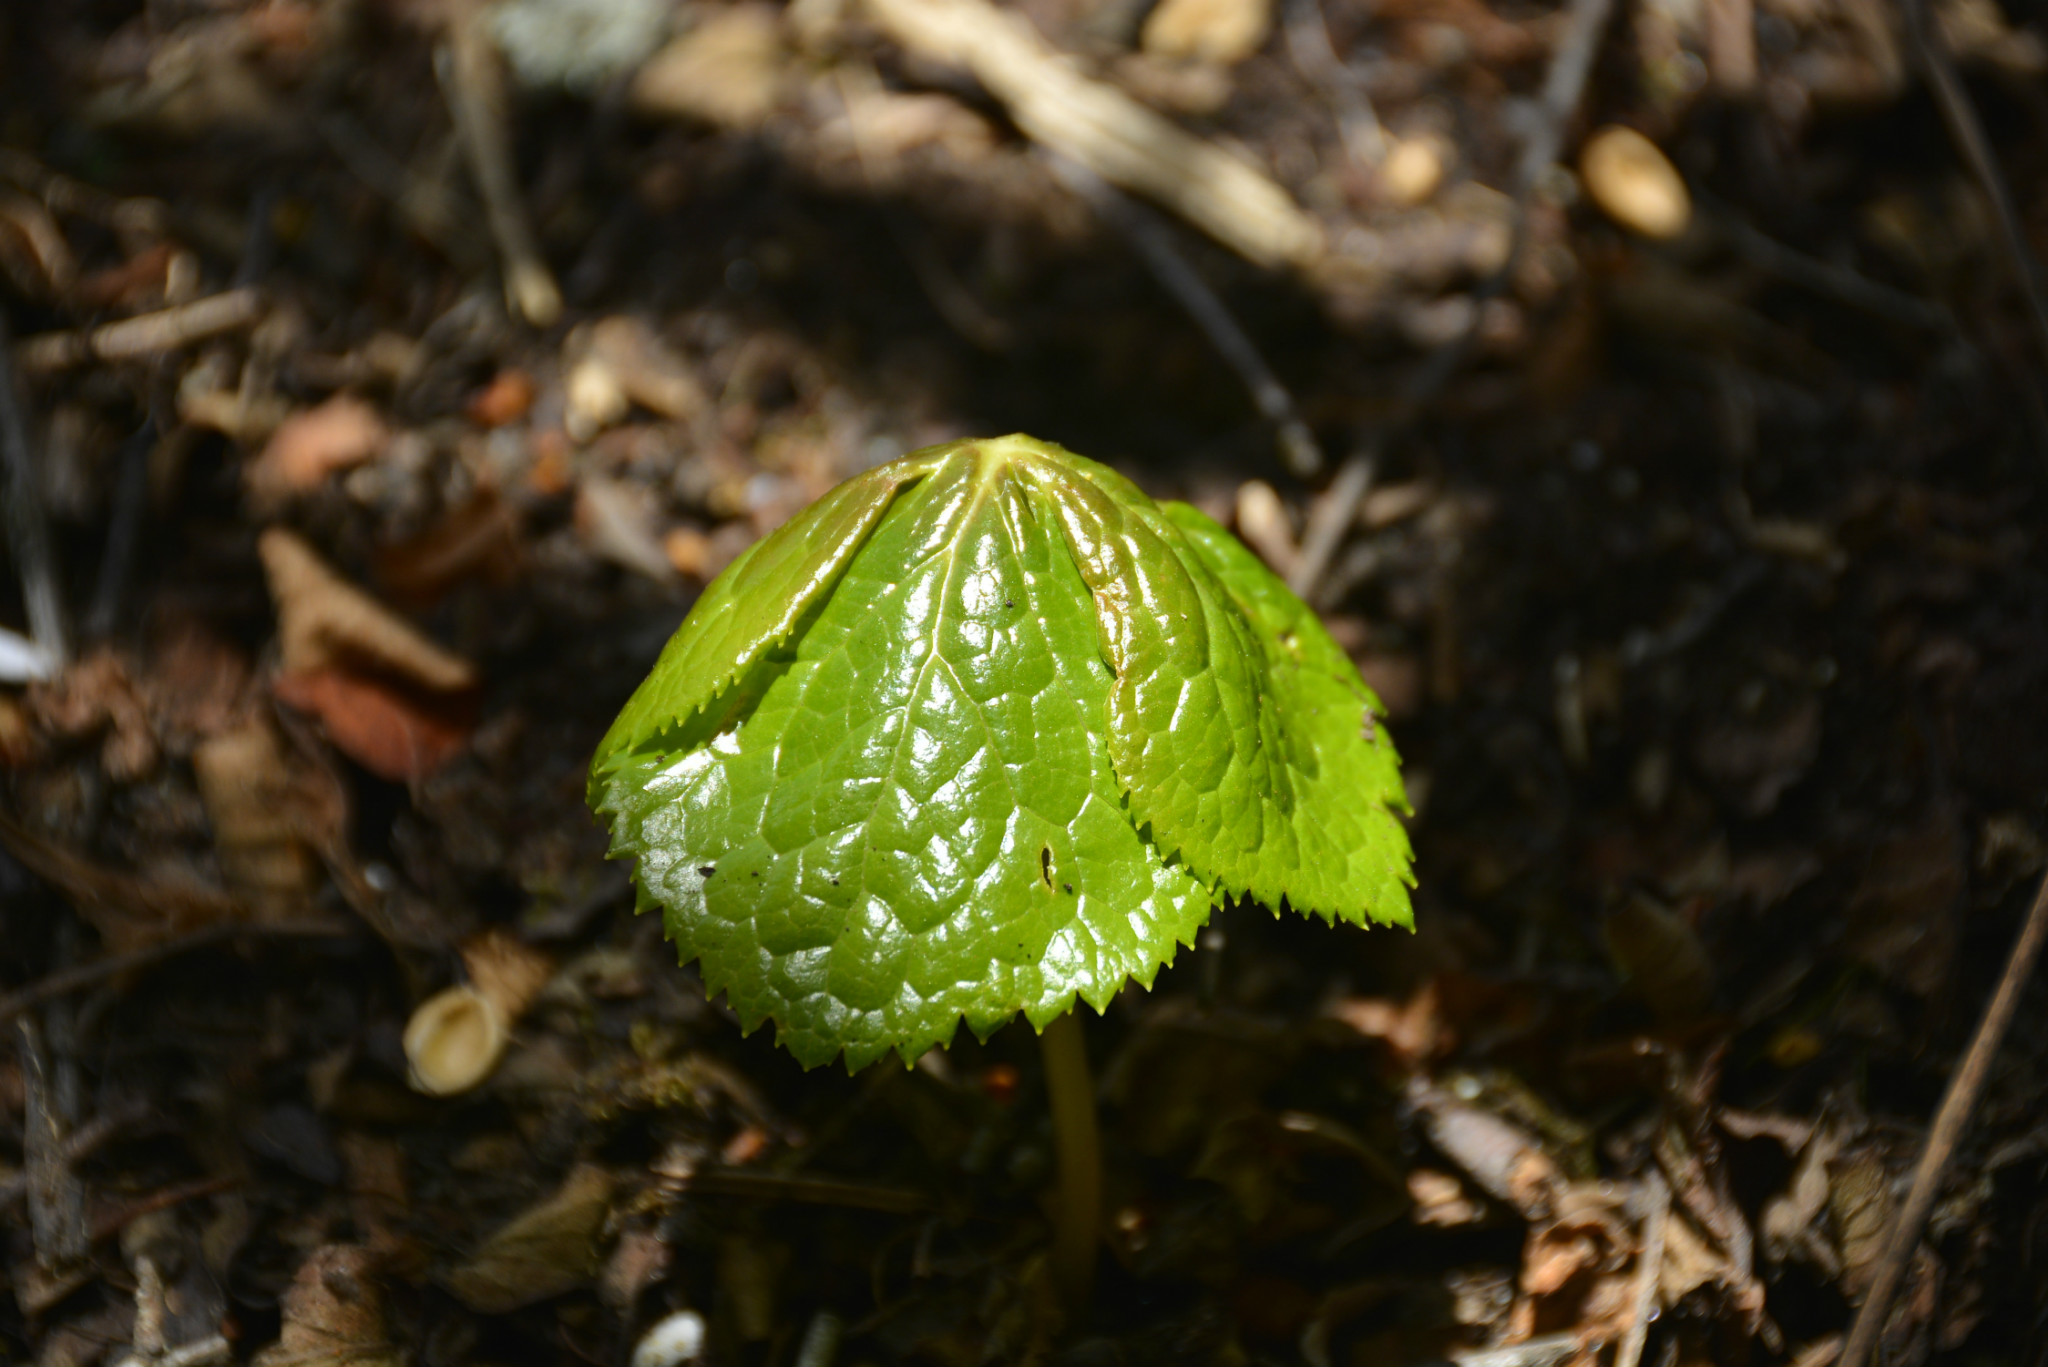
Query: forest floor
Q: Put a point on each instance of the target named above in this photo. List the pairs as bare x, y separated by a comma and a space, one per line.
384, 378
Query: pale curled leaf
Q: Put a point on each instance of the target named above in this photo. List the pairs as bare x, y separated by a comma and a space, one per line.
983, 731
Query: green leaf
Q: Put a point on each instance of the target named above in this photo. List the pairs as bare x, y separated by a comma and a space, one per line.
982, 731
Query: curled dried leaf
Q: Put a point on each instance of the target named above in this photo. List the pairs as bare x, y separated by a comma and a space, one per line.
324, 621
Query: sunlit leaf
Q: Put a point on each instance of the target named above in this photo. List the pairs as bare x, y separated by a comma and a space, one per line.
982, 731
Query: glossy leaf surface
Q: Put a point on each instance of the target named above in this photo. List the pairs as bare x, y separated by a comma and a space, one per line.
981, 731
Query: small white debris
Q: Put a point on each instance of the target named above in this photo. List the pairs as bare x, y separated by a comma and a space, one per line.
672, 1342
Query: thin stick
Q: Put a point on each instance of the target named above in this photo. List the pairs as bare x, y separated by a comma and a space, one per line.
1833, 281
1563, 86
145, 335
473, 83
1071, 1095
1965, 1087
1329, 519
1656, 1220
1963, 125
1154, 246
28, 528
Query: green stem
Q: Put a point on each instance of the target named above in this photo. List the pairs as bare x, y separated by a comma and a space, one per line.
1071, 1095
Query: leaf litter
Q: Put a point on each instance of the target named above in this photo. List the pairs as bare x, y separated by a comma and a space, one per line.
1701, 593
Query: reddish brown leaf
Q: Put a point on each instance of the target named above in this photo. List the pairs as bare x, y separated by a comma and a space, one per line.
389, 731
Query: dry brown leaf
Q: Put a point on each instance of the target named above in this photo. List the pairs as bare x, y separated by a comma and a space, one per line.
17, 735
731, 70
249, 800
506, 399
325, 622
1413, 1031
394, 732
1220, 31
94, 696
197, 684
313, 444
551, 1248
198, 80
617, 522
1860, 1203
506, 969
1577, 1271
1791, 1223
1504, 1160
1690, 1261
648, 371
333, 1315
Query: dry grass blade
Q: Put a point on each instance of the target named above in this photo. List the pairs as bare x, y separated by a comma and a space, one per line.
1958, 1104
1968, 131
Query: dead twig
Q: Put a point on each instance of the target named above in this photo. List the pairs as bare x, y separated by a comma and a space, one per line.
473, 82
1968, 131
1106, 130
1655, 1218
198, 1353
1965, 1087
114, 1221
28, 528
56, 1202
113, 965
143, 336
1547, 1351
821, 1191
1564, 85
1154, 246
1832, 281
1330, 517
